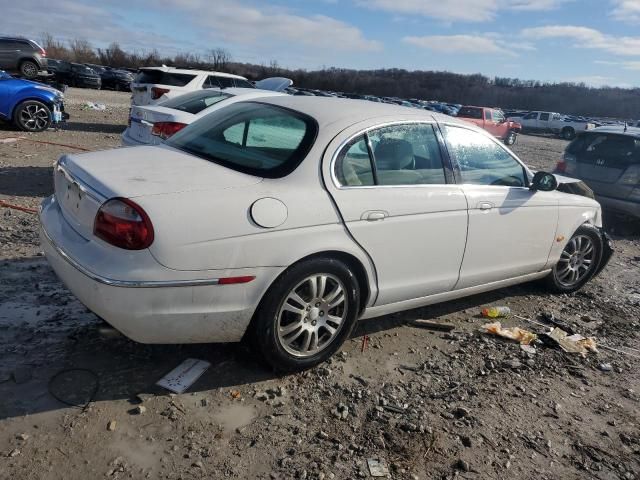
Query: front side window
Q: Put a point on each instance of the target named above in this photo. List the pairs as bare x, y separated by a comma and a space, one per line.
254, 138
498, 116
195, 102
544, 117
482, 161
406, 154
530, 116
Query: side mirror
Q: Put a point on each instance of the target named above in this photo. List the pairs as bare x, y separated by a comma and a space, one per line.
544, 181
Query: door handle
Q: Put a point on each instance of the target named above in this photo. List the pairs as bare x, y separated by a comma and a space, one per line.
485, 205
375, 216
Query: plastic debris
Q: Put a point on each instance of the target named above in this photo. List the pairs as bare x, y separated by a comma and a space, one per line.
530, 349
524, 337
94, 106
605, 367
495, 312
575, 343
378, 467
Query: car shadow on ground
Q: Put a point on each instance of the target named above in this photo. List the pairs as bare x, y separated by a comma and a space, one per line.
107, 128
55, 353
26, 181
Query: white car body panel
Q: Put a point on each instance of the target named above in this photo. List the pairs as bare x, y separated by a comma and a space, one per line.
419, 253
143, 117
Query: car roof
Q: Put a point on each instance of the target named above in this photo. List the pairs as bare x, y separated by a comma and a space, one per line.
194, 72
617, 129
328, 110
16, 38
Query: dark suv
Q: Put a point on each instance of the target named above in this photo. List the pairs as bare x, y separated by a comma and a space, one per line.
22, 56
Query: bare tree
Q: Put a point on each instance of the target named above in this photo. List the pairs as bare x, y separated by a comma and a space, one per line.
219, 58
82, 51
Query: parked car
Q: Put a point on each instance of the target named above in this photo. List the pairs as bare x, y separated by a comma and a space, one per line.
551, 122
607, 159
118, 80
22, 56
157, 84
152, 124
28, 105
282, 221
493, 121
76, 75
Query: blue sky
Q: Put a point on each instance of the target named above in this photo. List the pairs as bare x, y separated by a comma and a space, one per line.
595, 41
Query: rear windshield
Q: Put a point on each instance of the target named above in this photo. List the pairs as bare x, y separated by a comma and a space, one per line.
197, 101
164, 78
470, 112
623, 148
250, 137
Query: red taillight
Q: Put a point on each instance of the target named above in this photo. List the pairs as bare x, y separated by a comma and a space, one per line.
166, 129
157, 92
124, 224
43, 52
561, 167
236, 280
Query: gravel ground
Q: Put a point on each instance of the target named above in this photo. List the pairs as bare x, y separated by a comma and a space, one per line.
426, 404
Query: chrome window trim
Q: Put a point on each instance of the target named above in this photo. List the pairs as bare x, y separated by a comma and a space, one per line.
334, 157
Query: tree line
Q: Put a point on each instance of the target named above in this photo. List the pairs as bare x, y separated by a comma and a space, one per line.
476, 89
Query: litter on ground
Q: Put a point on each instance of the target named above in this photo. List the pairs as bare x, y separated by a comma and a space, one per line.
573, 343
184, 375
524, 337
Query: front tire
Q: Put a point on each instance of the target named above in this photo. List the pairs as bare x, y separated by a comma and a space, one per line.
32, 116
578, 262
29, 69
307, 314
510, 139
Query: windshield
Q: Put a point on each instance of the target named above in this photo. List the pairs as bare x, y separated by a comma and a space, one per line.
250, 137
164, 78
195, 102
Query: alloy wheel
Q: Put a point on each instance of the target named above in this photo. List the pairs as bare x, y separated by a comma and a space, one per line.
311, 315
576, 261
34, 117
29, 70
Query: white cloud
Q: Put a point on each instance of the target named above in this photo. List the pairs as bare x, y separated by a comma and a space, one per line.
626, 11
242, 23
584, 37
627, 65
459, 10
460, 44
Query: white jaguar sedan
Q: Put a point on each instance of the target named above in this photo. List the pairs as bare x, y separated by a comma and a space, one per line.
285, 220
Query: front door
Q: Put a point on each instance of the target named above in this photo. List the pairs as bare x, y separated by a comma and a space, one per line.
394, 190
511, 228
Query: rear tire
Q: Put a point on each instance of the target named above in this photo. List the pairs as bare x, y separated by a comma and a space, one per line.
578, 262
568, 133
29, 69
32, 116
306, 315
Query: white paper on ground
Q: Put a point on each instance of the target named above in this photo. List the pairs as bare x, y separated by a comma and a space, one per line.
184, 375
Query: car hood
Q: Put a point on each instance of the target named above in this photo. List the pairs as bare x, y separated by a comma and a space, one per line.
19, 84
152, 170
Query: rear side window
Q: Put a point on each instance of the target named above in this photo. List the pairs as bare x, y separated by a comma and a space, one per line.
254, 138
214, 81
544, 117
470, 112
402, 155
195, 102
164, 78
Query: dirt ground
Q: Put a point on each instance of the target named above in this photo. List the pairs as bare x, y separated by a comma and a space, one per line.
426, 404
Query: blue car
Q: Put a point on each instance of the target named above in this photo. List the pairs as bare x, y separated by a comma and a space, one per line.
30, 106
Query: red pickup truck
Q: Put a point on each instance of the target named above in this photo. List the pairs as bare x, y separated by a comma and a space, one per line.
493, 121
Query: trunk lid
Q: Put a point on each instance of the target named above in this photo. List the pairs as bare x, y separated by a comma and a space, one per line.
142, 120
84, 182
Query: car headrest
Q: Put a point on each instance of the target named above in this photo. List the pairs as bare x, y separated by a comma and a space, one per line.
394, 154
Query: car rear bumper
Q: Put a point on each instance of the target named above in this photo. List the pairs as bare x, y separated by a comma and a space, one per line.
127, 141
626, 207
183, 310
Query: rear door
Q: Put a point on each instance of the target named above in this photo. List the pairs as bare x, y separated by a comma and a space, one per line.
393, 187
9, 50
544, 122
603, 159
511, 228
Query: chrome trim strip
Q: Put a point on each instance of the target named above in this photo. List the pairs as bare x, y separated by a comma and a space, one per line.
60, 166
125, 283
